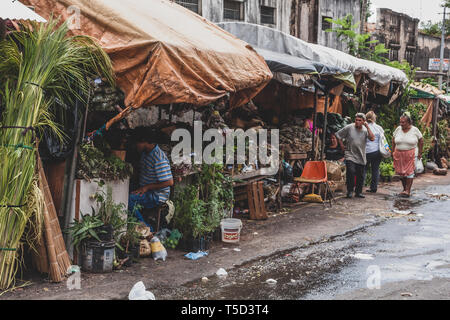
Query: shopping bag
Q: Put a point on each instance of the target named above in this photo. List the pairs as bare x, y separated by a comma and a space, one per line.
419, 166
385, 150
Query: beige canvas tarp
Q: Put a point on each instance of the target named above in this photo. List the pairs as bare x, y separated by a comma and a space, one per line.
163, 53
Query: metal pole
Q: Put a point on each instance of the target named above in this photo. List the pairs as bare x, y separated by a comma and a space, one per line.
324, 134
441, 64
314, 124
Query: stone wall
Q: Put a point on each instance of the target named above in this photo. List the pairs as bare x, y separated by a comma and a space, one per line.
429, 47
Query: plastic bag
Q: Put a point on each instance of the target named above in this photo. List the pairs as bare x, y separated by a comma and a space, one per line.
158, 250
419, 166
138, 292
385, 150
145, 249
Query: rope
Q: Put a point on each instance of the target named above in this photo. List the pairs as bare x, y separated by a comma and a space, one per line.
33, 130
7, 249
17, 146
12, 206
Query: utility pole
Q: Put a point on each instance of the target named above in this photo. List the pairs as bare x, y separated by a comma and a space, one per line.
441, 65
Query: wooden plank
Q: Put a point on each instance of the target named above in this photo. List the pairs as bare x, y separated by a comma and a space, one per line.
251, 202
296, 156
261, 201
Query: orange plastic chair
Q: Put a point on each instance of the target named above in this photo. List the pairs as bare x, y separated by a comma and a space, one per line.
315, 172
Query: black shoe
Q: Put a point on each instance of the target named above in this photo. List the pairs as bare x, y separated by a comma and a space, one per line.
371, 191
360, 195
349, 195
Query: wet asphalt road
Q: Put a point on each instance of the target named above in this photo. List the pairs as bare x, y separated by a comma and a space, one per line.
400, 256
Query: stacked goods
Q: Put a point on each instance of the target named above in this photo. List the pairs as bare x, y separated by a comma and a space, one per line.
105, 97
295, 138
36, 64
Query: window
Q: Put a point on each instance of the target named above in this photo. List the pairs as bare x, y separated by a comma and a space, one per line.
192, 5
393, 55
233, 10
409, 56
325, 24
267, 15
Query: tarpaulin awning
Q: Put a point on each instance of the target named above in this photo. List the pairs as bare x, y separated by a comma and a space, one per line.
277, 41
288, 64
164, 53
14, 10
425, 90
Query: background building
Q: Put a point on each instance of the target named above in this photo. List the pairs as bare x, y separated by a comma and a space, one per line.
399, 33
304, 19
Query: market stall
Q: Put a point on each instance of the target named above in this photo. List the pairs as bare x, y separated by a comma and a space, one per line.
178, 68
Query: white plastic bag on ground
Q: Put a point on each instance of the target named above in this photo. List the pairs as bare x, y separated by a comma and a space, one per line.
221, 273
138, 292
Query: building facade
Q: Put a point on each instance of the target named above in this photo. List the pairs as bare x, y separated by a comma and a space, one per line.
399, 33
304, 19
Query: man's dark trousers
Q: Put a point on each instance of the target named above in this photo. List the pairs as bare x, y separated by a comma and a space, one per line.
354, 170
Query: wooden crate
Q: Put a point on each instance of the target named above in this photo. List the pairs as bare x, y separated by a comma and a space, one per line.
257, 207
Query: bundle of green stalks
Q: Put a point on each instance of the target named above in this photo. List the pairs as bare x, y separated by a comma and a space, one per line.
37, 64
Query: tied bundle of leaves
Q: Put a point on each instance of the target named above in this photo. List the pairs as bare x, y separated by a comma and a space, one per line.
37, 65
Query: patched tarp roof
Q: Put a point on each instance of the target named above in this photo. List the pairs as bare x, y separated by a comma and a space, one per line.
164, 53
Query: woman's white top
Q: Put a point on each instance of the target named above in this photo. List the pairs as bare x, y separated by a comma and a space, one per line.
408, 140
373, 146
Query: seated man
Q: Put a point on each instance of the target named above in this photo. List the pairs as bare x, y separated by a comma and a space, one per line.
155, 176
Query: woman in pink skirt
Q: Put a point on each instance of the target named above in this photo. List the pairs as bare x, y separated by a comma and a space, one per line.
407, 144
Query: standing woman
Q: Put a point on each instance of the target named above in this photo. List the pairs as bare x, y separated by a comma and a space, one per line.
407, 143
373, 153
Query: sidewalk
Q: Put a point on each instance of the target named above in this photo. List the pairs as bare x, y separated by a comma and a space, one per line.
302, 226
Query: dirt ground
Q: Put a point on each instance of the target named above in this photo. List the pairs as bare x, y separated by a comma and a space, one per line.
297, 227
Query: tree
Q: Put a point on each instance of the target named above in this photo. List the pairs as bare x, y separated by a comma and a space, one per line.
434, 29
358, 45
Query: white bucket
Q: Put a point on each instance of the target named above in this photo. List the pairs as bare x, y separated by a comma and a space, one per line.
231, 230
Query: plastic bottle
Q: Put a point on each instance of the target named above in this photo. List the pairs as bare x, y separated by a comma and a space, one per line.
158, 250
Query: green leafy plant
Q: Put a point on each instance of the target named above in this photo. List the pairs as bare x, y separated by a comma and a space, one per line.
37, 64
199, 207
358, 45
387, 169
94, 163
84, 229
130, 237
108, 215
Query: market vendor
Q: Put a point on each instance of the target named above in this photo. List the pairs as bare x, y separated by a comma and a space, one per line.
334, 151
155, 175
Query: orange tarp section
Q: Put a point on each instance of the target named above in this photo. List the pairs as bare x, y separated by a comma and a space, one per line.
163, 53
428, 115
336, 107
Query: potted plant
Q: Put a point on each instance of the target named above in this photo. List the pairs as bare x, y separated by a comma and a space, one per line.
129, 242
95, 235
386, 171
200, 207
97, 170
